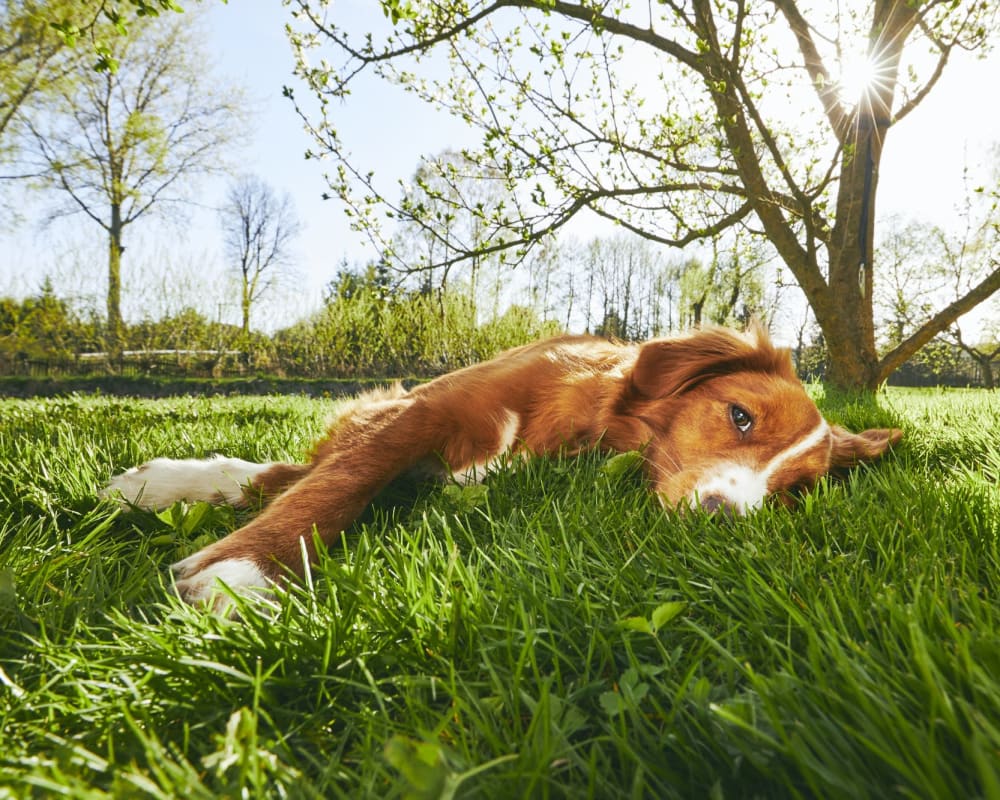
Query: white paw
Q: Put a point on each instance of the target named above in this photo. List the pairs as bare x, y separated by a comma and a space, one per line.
163, 481
205, 585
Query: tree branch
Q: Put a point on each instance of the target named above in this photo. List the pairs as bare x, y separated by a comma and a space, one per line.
924, 90
899, 354
822, 82
575, 11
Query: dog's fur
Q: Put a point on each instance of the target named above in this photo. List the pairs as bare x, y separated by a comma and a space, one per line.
720, 417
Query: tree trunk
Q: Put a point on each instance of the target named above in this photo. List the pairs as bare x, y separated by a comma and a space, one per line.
115, 249
842, 299
245, 307
245, 303
696, 307
848, 321
987, 369
852, 363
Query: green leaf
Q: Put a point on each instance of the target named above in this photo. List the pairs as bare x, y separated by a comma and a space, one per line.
188, 520
612, 703
420, 763
661, 616
466, 498
640, 624
665, 612
623, 464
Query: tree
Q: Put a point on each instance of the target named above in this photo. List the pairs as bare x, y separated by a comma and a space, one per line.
925, 265
452, 192
38, 48
259, 228
984, 354
122, 144
34, 61
701, 141
28, 46
728, 291
632, 286
41, 327
913, 278
96, 19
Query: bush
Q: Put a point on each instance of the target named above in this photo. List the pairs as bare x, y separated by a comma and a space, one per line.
369, 333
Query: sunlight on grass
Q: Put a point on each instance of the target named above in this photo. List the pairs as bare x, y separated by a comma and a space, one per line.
552, 633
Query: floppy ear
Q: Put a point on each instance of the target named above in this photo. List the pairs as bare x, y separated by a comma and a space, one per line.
850, 449
671, 366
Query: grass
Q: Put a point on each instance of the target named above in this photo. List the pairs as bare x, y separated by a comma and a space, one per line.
551, 634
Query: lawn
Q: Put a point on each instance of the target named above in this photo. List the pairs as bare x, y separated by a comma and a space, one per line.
552, 633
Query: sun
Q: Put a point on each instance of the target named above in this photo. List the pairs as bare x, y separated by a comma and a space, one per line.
859, 75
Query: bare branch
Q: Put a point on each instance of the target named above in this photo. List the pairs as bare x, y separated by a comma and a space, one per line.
924, 90
824, 85
939, 322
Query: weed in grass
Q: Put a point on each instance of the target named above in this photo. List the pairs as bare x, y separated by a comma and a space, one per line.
551, 633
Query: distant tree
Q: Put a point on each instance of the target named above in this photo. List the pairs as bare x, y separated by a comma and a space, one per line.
122, 144
42, 326
259, 227
29, 51
984, 353
95, 20
913, 278
630, 286
925, 266
374, 277
809, 352
34, 62
728, 290
453, 192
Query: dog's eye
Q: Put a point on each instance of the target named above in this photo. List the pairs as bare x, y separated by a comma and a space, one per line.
741, 418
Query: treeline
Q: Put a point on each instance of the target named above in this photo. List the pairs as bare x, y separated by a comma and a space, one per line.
370, 328
375, 321
363, 330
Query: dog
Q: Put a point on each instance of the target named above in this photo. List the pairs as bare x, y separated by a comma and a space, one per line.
720, 418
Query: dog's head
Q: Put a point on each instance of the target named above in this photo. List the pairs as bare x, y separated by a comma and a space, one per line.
732, 424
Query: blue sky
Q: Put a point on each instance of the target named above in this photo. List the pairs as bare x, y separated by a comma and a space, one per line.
389, 130
248, 45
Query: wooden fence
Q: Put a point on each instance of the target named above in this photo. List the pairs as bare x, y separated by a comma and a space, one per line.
186, 363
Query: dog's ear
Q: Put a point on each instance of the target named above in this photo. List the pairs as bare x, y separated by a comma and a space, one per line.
666, 367
850, 449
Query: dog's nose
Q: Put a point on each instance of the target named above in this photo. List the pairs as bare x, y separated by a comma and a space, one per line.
716, 503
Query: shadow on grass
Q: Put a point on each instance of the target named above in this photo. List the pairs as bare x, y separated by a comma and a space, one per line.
857, 410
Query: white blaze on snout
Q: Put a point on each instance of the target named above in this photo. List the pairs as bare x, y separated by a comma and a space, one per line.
743, 488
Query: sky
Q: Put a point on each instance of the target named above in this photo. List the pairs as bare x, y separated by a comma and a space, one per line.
921, 170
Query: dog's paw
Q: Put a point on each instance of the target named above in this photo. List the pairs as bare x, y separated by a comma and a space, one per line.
130, 487
163, 481
200, 580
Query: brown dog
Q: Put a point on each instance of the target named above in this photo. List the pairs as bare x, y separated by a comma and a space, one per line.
720, 417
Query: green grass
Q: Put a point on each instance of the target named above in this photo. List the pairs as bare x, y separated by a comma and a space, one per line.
554, 634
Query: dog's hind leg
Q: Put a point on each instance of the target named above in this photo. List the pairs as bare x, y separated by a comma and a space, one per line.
363, 453
163, 481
